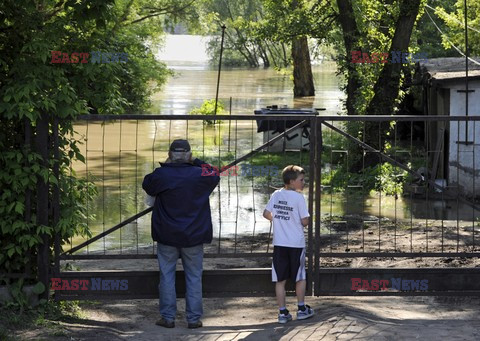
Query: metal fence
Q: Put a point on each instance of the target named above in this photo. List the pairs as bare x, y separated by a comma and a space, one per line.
399, 187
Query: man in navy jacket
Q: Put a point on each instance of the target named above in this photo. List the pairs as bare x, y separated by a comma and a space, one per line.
181, 224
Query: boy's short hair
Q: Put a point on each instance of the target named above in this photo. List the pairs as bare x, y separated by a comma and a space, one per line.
291, 172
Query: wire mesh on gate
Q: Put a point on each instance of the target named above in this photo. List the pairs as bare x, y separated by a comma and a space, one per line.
121, 151
390, 186
405, 195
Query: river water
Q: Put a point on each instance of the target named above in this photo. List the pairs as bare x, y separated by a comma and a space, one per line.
120, 154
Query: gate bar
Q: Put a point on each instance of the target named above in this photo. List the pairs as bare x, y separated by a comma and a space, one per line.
318, 199
153, 256
110, 230
311, 268
359, 118
269, 254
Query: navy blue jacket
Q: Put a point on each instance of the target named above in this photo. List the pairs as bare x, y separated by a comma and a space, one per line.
181, 215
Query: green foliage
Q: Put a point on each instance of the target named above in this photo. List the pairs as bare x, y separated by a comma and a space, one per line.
383, 177
208, 108
376, 22
286, 19
388, 178
20, 299
244, 45
453, 16
32, 86
427, 36
279, 160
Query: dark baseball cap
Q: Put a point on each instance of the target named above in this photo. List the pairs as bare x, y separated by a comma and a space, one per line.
180, 146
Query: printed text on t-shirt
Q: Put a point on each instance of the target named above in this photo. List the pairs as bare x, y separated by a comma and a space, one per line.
282, 210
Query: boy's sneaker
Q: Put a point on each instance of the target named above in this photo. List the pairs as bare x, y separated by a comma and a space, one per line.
282, 318
305, 314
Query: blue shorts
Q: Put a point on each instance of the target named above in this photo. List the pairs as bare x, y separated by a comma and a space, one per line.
288, 262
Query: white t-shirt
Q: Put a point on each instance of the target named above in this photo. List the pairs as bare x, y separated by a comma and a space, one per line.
288, 208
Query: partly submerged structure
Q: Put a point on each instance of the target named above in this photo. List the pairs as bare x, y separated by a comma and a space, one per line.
456, 144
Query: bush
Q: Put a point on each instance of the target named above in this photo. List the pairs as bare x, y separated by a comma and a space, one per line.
208, 108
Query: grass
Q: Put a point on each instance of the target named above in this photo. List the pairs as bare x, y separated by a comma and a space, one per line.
275, 160
262, 158
47, 317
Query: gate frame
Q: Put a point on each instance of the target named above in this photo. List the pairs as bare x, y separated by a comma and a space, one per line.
319, 281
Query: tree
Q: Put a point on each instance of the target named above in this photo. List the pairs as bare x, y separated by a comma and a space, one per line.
302, 68
428, 36
269, 32
293, 22
243, 46
453, 17
36, 90
351, 36
375, 27
388, 83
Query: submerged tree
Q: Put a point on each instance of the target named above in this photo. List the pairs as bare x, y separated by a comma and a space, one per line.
294, 22
289, 22
243, 46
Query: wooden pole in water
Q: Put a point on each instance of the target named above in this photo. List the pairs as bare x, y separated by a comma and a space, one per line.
219, 69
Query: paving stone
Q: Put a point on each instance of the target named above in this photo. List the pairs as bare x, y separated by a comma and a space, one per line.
337, 330
355, 329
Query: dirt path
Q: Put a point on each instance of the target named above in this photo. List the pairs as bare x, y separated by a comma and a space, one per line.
337, 318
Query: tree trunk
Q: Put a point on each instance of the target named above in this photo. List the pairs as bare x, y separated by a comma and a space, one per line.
387, 86
285, 58
263, 54
350, 38
302, 68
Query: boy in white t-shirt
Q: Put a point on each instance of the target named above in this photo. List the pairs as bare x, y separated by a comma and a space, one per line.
288, 212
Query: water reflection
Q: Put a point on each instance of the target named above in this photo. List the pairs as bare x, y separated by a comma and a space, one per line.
397, 208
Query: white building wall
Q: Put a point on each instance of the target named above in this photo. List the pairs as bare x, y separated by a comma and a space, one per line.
464, 159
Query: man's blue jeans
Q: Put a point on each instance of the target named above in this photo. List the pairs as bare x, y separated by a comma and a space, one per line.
192, 260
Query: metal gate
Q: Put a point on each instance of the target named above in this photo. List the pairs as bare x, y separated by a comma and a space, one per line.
350, 224
434, 159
